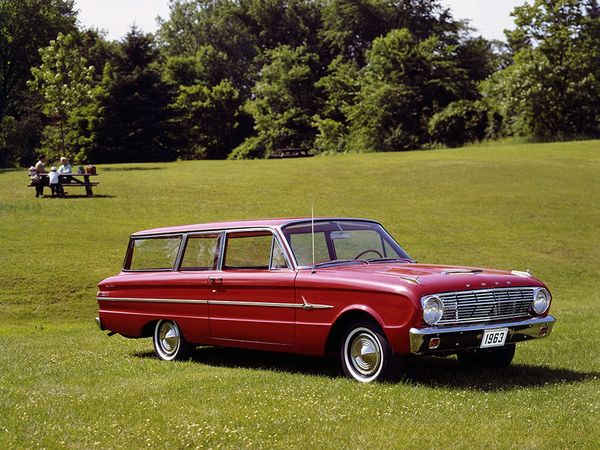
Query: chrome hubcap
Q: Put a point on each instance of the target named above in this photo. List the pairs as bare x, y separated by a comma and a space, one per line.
168, 337
365, 354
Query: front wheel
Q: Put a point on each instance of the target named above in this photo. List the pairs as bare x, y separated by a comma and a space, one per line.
169, 343
366, 353
489, 358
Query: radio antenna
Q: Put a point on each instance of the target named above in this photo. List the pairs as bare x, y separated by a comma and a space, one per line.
312, 233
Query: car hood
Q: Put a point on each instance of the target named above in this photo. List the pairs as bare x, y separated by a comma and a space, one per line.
458, 277
423, 279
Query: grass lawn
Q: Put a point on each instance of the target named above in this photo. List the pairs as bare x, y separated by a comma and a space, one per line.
65, 384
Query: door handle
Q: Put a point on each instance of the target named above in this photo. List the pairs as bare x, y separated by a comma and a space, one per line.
215, 280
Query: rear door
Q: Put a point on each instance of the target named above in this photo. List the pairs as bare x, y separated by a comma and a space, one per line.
251, 297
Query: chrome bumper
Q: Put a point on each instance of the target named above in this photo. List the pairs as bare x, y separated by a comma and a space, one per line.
469, 336
99, 323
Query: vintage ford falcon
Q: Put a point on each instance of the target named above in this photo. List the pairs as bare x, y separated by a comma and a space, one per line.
316, 286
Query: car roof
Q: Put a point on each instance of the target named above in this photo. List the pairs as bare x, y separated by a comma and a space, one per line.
254, 223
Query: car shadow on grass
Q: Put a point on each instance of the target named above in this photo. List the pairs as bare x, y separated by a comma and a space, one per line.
449, 373
423, 371
253, 359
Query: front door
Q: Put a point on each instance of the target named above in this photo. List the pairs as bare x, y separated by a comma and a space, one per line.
251, 299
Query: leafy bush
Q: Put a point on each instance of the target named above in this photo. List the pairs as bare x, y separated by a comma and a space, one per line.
252, 148
460, 122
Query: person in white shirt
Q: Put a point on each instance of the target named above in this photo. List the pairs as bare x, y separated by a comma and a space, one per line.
54, 182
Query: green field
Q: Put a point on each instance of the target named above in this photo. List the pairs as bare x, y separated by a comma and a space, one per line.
65, 384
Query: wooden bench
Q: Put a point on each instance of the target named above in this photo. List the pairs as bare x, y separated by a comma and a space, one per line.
290, 153
91, 183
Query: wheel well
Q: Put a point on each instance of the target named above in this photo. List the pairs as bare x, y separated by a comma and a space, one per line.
335, 335
148, 329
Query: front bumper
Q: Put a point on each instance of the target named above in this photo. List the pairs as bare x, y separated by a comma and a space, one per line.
455, 338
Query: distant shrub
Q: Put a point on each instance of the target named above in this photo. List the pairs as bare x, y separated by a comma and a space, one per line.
331, 137
252, 148
460, 122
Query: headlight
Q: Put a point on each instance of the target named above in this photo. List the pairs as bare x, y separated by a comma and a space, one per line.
541, 300
433, 309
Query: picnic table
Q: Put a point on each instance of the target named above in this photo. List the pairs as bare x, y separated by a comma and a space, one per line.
75, 179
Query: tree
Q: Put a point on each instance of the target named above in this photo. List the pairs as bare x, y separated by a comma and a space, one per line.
25, 27
136, 122
351, 26
211, 116
284, 102
273, 23
64, 81
340, 87
194, 25
553, 87
20, 138
403, 84
96, 49
208, 104
459, 123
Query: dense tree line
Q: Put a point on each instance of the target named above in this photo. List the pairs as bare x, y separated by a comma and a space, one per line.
242, 78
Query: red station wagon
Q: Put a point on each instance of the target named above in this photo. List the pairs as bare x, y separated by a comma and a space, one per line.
314, 287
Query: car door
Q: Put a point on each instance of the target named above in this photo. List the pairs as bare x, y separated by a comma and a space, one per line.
251, 297
190, 285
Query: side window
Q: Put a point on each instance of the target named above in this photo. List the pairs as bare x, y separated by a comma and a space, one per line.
156, 253
253, 250
200, 252
248, 250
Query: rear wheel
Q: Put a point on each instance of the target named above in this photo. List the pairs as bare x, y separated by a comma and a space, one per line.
169, 343
366, 353
489, 358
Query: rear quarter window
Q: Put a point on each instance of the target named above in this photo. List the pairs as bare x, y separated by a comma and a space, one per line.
157, 253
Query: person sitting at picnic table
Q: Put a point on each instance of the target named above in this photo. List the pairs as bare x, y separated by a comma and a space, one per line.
53, 180
66, 169
37, 180
65, 166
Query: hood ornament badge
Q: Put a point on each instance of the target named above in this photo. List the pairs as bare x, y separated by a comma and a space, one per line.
414, 279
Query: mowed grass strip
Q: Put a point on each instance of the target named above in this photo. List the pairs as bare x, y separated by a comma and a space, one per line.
65, 384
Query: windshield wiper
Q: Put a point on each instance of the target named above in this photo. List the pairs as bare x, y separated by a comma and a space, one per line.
377, 260
340, 261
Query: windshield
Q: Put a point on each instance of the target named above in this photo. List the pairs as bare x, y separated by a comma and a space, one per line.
341, 240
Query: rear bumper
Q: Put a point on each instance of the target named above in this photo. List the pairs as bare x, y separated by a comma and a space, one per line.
469, 336
99, 323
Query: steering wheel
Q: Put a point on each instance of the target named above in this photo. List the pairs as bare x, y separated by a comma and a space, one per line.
368, 251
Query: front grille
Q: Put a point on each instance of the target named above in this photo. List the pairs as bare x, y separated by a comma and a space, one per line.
486, 305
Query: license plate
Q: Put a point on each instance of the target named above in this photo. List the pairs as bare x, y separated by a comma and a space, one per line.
494, 338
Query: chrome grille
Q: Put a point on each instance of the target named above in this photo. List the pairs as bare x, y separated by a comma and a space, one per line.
485, 305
